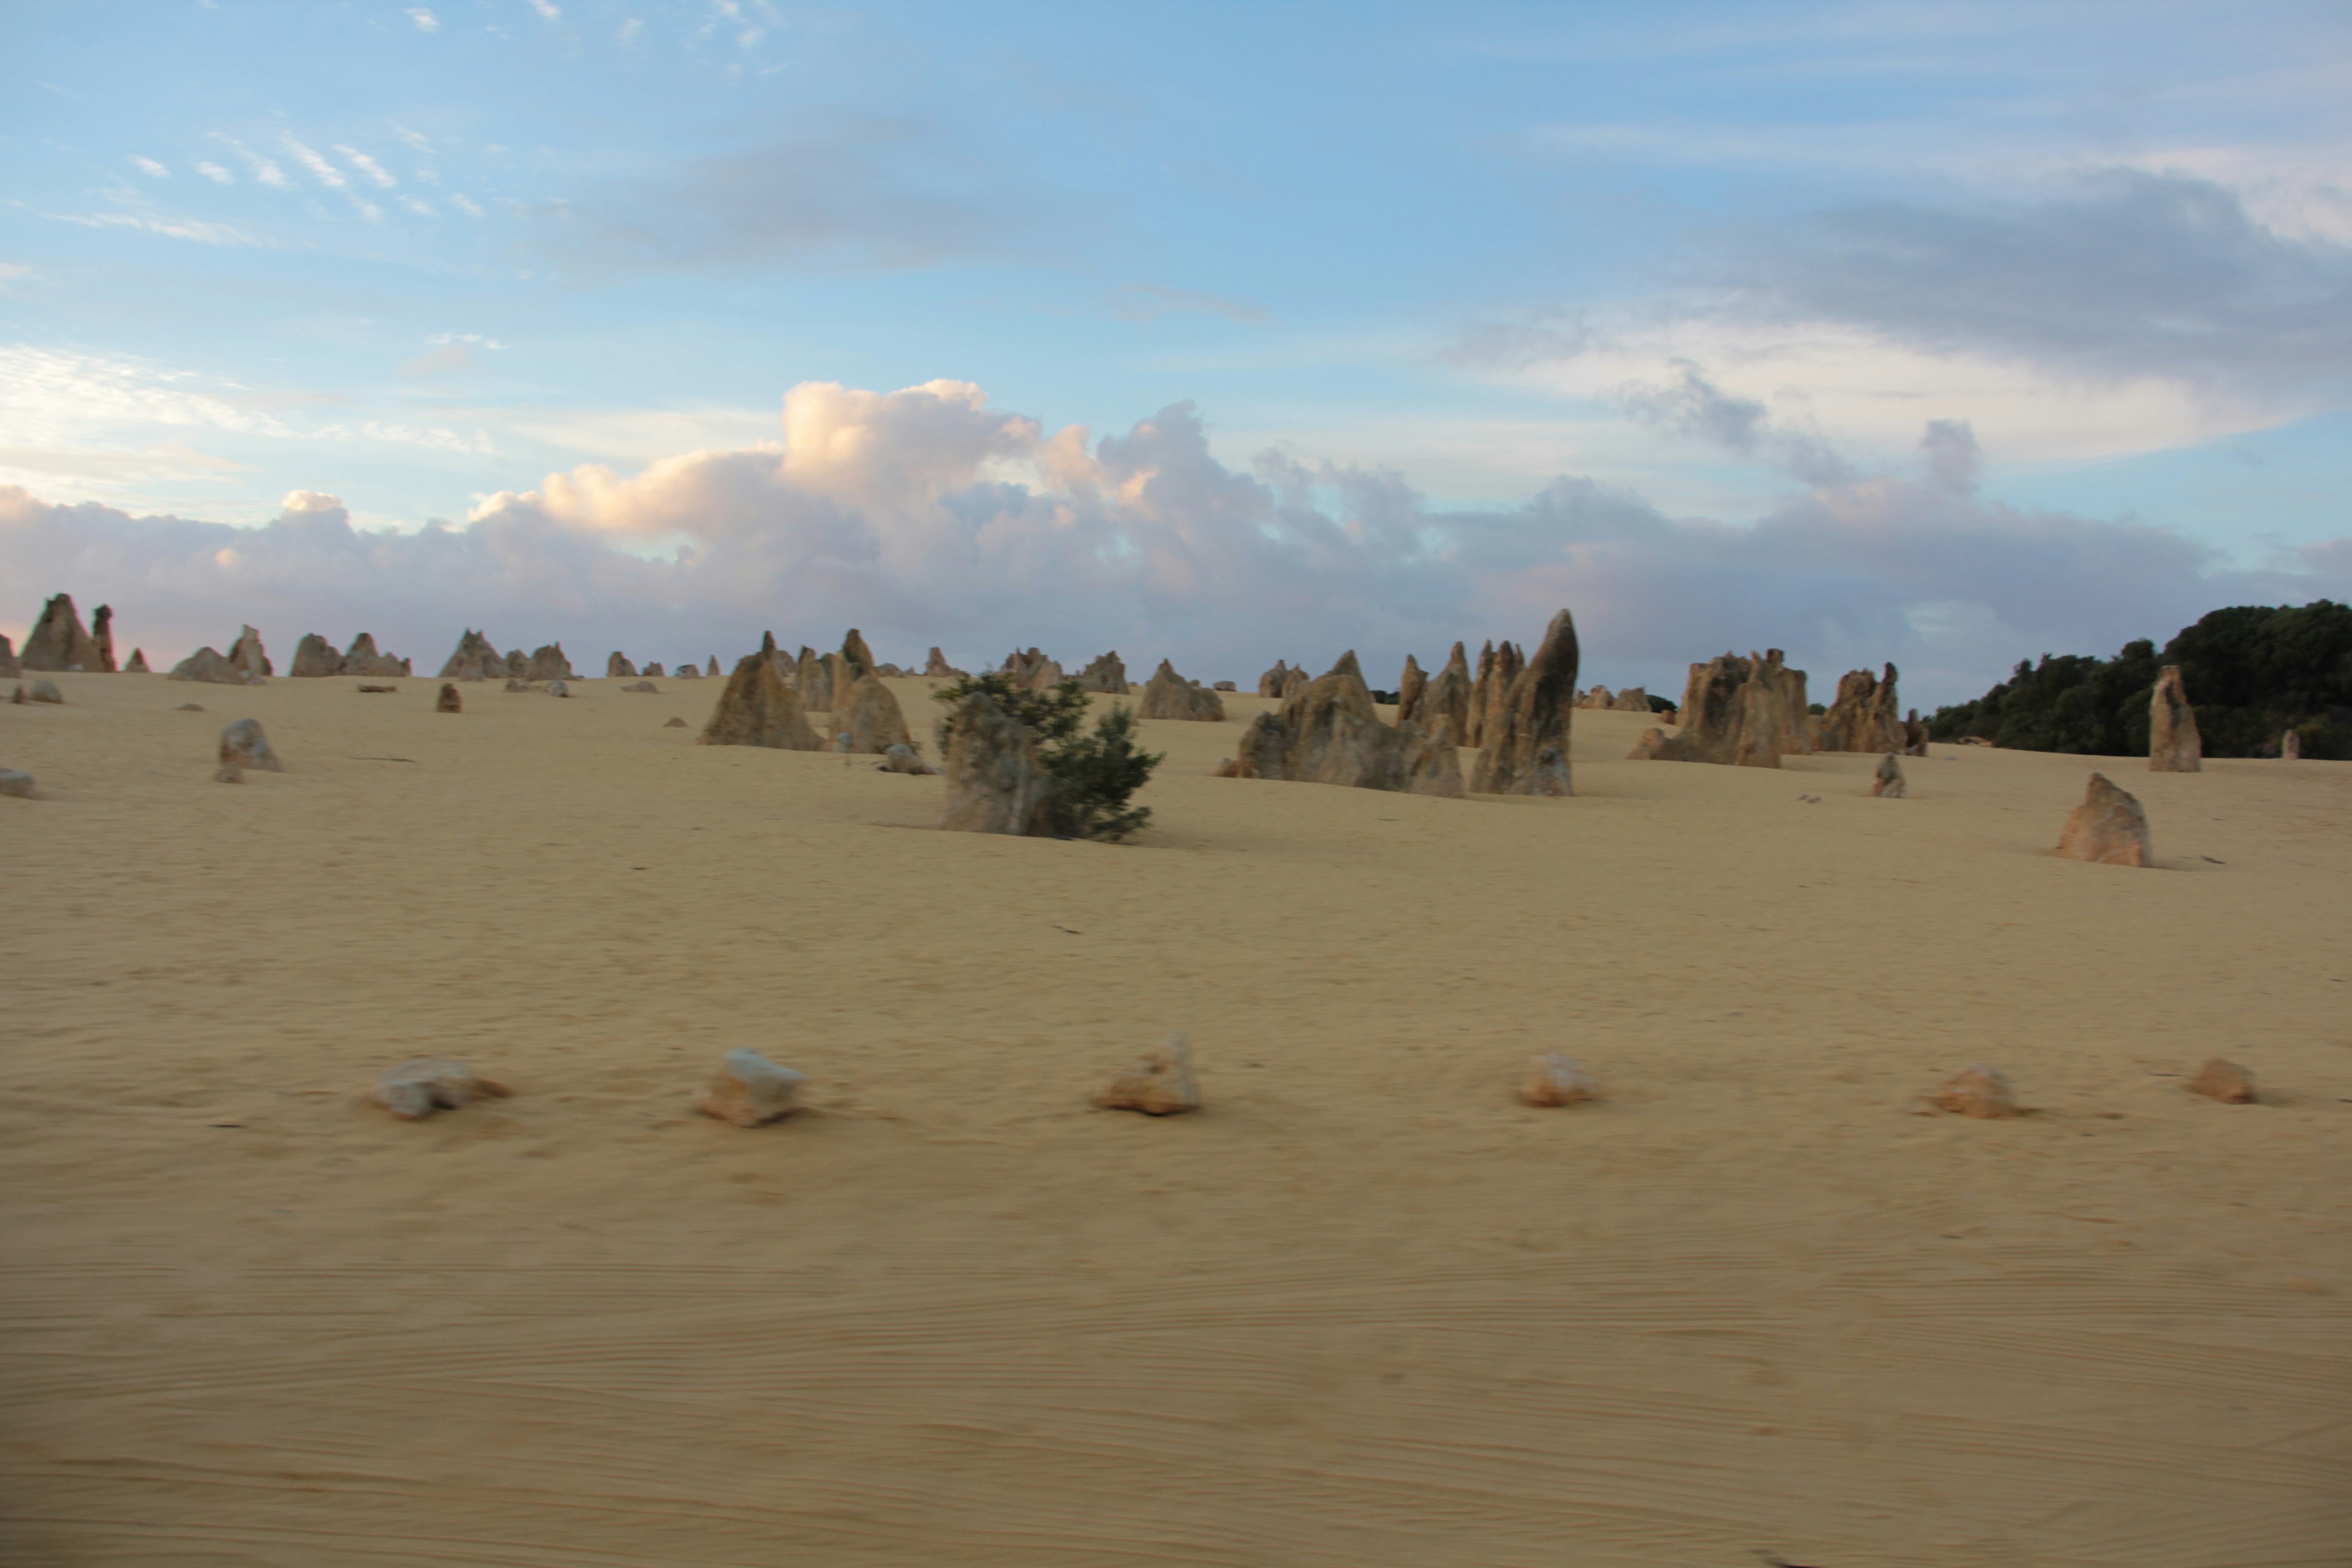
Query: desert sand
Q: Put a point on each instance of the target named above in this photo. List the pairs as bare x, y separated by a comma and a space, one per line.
1363, 1309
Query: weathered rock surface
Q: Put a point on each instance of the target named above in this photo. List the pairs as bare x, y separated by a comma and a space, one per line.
1915, 735
1445, 699
750, 1090
2173, 744
1555, 1079
1275, 682
904, 759
1632, 700
415, 1089
618, 668
994, 782
1654, 746
871, 718
712, 669
1329, 732
361, 659
548, 663
1526, 751
138, 665
687, 672
1032, 670
2291, 746
1167, 695
514, 684
1162, 1084
207, 665
2223, 1080
1106, 675
1887, 782
39, 690
102, 632
57, 641
757, 708
1600, 697
860, 657
2108, 828
476, 657
1410, 686
448, 701
314, 659
653, 670
1863, 718
1225, 685
1509, 660
1745, 713
247, 654
645, 687
558, 688
16, 785
244, 744
937, 667
1981, 1091
11, 666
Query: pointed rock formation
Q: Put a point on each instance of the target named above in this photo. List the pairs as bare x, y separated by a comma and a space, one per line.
813, 675
138, 665
2225, 1081
750, 1090
1887, 783
859, 656
1482, 687
1600, 697
476, 657
208, 664
1863, 718
758, 709
101, 634
1162, 1084
1509, 660
58, 642
448, 701
2290, 743
1106, 675
1526, 734
314, 657
618, 668
1745, 713
712, 667
10, 666
548, 663
995, 784
1330, 733
247, 654
361, 659
2173, 743
1032, 670
1445, 699
244, 745
518, 664
1981, 1091
871, 718
1273, 682
2108, 828
937, 668
1410, 686
1555, 1079
1632, 700
414, 1090
1915, 735
1167, 695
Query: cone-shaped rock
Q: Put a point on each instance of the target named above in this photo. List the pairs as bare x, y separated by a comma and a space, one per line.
1481, 690
101, 634
476, 657
2173, 743
1887, 783
1275, 682
757, 708
10, 666
2109, 828
870, 718
1445, 700
138, 665
1032, 670
618, 668
1106, 675
1527, 735
937, 667
860, 657
315, 656
59, 642
1167, 695
361, 659
244, 745
448, 701
994, 783
247, 654
1410, 686
548, 663
712, 667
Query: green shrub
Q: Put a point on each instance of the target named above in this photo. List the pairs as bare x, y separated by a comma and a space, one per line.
1093, 774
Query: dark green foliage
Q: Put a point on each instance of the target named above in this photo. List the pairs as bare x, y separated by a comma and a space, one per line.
2253, 672
1094, 774
1661, 704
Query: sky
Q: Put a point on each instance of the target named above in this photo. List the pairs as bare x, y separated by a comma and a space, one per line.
1943, 335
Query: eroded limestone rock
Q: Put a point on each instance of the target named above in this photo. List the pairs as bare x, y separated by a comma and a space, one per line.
314, 659
1887, 782
1167, 695
138, 665
415, 1089
244, 744
994, 783
1863, 718
1981, 1091
2108, 828
548, 663
618, 668
57, 641
1329, 732
2173, 744
448, 701
2222, 1081
1160, 1084
208, 664
937, 667
871, 718
476, 657
757, 708
749, 1091
11, 666
1555, 1079
1410, 686
247, 654
1526, 751
16, 785
905, 758
1106, 675
39, 690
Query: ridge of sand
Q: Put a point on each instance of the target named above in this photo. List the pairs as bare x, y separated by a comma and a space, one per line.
1364, 1310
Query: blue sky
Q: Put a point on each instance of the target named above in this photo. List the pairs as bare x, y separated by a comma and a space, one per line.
1941, 334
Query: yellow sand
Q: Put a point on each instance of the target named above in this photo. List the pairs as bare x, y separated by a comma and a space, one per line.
1364, 1310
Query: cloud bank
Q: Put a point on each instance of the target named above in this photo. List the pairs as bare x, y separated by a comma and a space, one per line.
926, 515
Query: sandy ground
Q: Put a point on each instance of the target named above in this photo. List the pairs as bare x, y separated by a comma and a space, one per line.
1365, 1310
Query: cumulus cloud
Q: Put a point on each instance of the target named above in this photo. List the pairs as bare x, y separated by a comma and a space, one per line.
426, 21
150, 167
928, 515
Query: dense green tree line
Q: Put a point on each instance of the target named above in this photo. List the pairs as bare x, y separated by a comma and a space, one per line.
2253, 672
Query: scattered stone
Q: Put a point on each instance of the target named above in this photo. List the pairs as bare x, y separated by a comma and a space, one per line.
207, 665
2109, 828
1106, 675
2291, 746
758, 709
448, 701
994, 782
1979, 1092
415, 1089
558, 688
1329, 732
750, 1090
648, 686
1556, 1080
618, 668
247, 654
477, 659
1167, 695
2173, 743
1160, 1084
1887, 783
244, 744
1862, 718
365, 686
2225, 1081
1527, 729
39, 690
18, 785
904, 759
58, 642
189, 708
674, 724
138, 665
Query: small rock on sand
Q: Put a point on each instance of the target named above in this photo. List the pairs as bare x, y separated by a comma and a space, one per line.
448, 701
557, 688
2108, 828
1556, 1080
415, 1089
379, 688
1981, 1091
2225, 1081
514, 684
17, 784
750, 1090
39, 692
1887, 782
648, 686
904, 759
244, 745
189, 708
1160, 1085
674, 724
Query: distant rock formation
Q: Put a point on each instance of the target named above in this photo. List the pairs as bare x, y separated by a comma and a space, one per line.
937, 668
812, 678
1632, 700
1329, 733
101, 635
618, 668
674, 723
1864, 716
138, 665
559, 688
1554, 1080
10, 666
314, 657
1445, 699
1981, 1091
1167, 695
1275, 682
448, 701
2290, 743
653, 671
1525, 749
1887, 783
1225, 686
854, 649
1482, 684
1410, 686
58, 642
1032, 670
905, 758
476, 658
1915, 735
2173, 743
750, 1090
548, 663
645, 687
712, 669
1747, 713
758, 709
247, 654
208, 664
871, 718
1106, 675
1160, 1084
2108, 828
414, 1090
244, 745
994, 782
1598, 698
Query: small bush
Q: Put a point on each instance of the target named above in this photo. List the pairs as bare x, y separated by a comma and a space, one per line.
1093, 775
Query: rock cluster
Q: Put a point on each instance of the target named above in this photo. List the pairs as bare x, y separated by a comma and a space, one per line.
475, 658
58, 643
1167, 695
2173, 744
1106, 675
1032, 670
1327, 732
1527, 728
2108, 828
995, 783
749, 1091
1160, 1084
1747, 713
1410, 686
1863, 718
314, 656
757, 708
653, 671
415, 1089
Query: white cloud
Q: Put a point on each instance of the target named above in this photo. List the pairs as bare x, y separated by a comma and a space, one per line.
367, 165
414, 138
546, 10
215, 173
10, 271
367, 209
200, 230
421, 208
426, 21
465, 205
627, 36
326, 173
149, 166
263, 169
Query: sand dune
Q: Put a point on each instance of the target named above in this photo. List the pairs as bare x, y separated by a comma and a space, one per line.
1364, 1310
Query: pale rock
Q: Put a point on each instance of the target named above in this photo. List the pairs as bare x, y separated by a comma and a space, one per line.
361, 659
1225, 685
40, 690
1632, 700
1863, 718
1555, 1079
618, 668
2222, 1081
189, 708
712, 669
1106, 675
476, 657
1167, 695
1160, 1084
2173, 744
415, 1089
514, 684
653, 671
1329, 732
937, 667
871, 718
1526, 752
558, 688
2291, 746
228, 773
1444, 700
18, 785
1979, 1092
548, 663
750, 1090
757, 708
646, 687
1410, 686
244, 744
904, 759
247, 654
138, 665
2108, 828
314, 659
1887, 782
207, 665
687, 672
